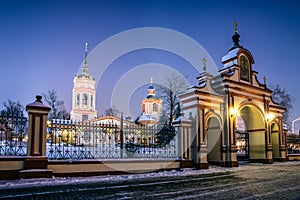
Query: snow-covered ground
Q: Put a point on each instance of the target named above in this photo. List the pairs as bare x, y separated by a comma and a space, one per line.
183, 172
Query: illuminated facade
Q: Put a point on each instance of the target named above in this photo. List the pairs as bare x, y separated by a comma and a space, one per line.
233, 116
151, 107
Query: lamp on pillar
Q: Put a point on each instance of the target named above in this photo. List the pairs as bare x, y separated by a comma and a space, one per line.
269, 116
233, 112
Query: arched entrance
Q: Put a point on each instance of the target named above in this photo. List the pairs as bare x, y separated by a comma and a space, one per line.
275, 139
255, 128
242, 139
213, 137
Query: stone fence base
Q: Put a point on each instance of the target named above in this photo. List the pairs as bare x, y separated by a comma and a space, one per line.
292, 157
15, 167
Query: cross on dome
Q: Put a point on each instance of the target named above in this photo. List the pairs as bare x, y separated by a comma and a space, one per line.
85, 68
235, 26
204, 61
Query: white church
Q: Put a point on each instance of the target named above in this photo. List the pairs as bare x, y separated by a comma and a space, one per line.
84, 100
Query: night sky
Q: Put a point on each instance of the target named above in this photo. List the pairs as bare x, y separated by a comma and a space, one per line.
42, 42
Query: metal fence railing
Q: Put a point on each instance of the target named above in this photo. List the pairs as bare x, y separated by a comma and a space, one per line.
92, 140
12, 135
293, 144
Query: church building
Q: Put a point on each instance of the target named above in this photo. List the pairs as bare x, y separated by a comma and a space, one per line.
151, 107
84, 95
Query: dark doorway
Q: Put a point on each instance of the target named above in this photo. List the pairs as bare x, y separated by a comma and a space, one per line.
242, 143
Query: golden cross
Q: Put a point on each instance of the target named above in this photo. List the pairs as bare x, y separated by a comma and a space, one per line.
235, 26
204, 63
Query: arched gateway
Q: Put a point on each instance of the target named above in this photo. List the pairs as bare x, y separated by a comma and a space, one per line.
233, 116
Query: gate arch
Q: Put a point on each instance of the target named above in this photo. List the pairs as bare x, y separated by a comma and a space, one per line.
256, 128
275, 139
213, 137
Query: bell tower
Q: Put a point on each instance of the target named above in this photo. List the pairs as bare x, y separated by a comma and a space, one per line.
84, 94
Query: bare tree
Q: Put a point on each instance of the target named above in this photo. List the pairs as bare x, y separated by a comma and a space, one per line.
58, 110
112, 111
173, 86
281, 96
12, 108
12, 116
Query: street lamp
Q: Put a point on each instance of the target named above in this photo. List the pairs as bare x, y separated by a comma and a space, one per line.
293, 125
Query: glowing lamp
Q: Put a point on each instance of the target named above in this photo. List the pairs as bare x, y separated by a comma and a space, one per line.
233, 111
269, 116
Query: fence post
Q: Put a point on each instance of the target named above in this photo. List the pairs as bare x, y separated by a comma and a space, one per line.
183, 127
37, 125
121, 137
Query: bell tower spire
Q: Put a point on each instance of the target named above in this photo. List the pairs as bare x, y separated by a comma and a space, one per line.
85, 67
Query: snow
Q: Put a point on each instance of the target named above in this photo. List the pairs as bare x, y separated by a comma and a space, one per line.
230, 54
182, 172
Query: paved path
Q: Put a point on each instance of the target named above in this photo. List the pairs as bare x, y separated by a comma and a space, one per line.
249, 181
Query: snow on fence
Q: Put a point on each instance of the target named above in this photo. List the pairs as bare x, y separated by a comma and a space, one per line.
92, 140
293, 144
12, 134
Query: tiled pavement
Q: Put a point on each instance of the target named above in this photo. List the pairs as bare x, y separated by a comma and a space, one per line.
249, 181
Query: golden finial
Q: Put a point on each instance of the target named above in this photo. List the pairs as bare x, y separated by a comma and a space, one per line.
265, 80
235, 26
204, 63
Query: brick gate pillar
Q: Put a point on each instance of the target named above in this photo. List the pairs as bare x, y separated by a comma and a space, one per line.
183, 128
36, 160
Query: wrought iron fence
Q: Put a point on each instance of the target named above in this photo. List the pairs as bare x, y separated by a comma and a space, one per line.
293, 144
12, 135
91, 140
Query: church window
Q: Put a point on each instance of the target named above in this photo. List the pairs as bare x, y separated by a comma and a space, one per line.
77, 99
85, 99
85, 117
92, 100
154, 107
245, 68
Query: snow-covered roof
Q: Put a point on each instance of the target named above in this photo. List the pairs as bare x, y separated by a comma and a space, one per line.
231, 54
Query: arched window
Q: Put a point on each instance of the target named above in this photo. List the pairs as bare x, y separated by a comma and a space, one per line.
85, 99
77, 99
92, 100
154, 107
85, 117
245, 68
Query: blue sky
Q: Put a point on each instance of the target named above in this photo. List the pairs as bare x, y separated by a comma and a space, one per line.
42, 42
